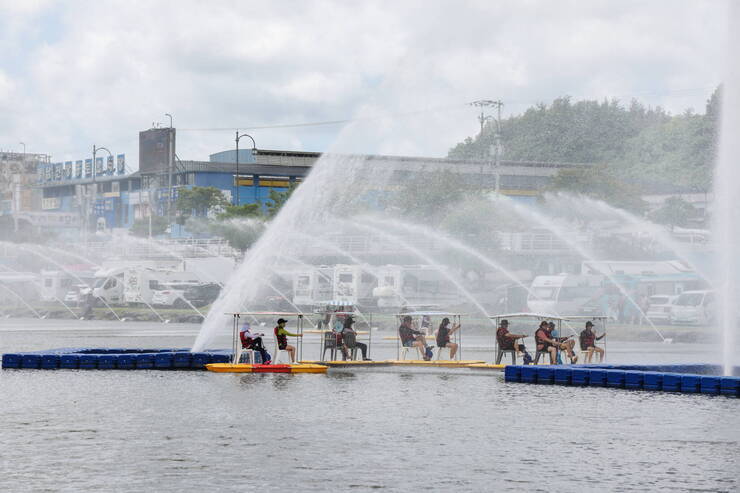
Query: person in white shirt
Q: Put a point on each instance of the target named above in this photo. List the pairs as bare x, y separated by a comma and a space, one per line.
253, 340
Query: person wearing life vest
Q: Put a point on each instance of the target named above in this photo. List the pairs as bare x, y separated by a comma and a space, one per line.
411, 337
564, 344
588, 340
506, 340
446, 329
282, 338
545, 342
253, 340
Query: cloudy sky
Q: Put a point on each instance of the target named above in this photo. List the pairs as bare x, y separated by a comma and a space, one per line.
78, 73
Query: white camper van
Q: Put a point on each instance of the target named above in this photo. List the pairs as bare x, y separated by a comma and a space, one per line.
353, 285
312, 285
407, 285
132, 285
563, 293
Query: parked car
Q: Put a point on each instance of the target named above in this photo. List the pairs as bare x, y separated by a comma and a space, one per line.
659, 309
203, 294
77, 293
693, 308
178, 295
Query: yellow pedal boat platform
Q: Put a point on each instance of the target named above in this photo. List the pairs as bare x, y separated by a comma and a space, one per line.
436, 363
246, 368
350, 363
486, 366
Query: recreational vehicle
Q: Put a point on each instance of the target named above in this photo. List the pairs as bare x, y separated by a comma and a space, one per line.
563, 293
312, 285
353, 284
406, 285
132, 285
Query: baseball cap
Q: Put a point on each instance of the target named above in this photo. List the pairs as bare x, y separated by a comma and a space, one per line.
281, 320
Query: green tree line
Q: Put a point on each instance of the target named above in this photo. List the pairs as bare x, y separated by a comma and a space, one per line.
645, 148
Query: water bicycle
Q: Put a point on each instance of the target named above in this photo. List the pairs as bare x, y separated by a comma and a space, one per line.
598, 321
236, 366
425, 321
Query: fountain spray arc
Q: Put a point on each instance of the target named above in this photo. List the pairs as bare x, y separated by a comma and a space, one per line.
38, 285
657, 232
35, 252
426, 258
468, 250
550, 224
324, 194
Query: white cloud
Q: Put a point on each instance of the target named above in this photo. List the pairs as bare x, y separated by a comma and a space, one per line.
98, 72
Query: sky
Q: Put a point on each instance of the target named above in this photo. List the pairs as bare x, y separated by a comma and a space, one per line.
78, 73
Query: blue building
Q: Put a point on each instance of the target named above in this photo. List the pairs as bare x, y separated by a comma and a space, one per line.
108, 198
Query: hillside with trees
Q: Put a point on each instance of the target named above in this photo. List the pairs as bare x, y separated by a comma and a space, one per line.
645, 148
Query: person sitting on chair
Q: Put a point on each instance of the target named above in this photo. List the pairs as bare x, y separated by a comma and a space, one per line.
411, 337
545, 343
506, 340
349, 340
446, 329
253, 341
566, 344
282, 338
588, 340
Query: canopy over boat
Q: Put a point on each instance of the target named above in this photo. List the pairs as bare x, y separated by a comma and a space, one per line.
548, 316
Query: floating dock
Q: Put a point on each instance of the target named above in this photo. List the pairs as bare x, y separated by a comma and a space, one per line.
183, 359
688, 379
247, 368
114, 359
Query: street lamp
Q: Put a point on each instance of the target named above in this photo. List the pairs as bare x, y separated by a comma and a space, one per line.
254, 148
94, 175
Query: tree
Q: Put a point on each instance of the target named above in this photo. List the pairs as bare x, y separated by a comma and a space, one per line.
278, 199
198, 201
240, 211
140, 227
239, 233
599, 182
675, 211
428, 196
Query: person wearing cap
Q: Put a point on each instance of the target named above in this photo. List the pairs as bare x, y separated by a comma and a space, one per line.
349, 340
253, 340
282, 338
545, 342
506, 340
565, 344
588, 340
411, 337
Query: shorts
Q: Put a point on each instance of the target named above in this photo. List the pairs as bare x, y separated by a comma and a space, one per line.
282, 346
408, 343
444, 344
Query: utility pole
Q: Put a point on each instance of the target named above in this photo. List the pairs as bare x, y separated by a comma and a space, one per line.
495, 149
170, 165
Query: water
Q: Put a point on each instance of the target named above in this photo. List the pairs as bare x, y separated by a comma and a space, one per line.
452, 243
726, 231
321, 197
656, 231
427, 259
347, 430
550, 224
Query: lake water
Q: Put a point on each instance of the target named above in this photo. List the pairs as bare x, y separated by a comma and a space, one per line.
354, 430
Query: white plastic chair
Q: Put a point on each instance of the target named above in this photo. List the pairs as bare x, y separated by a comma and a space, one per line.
405, 350
279, 352
250, 356
439, 353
